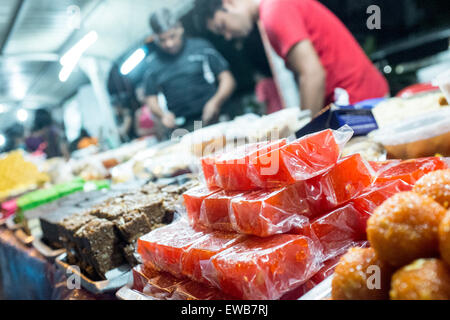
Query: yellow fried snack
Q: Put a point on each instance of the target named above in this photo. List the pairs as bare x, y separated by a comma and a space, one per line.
360, 275
424, 279
444, 238
16, 174
436, 185
405, 228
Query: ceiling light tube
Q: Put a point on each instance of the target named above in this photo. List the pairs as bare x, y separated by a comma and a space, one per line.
132, 61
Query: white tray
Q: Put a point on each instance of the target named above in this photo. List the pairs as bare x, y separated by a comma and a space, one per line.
116, 278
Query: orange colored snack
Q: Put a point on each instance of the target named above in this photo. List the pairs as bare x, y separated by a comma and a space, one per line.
361, 275
444, 238
405, 228
437, 186
424, 279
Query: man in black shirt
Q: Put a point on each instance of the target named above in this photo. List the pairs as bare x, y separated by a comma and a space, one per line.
193, 77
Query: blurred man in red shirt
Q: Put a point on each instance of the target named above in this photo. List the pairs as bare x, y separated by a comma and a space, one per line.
315, 44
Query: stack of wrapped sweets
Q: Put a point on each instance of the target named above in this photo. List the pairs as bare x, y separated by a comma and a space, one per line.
271, 220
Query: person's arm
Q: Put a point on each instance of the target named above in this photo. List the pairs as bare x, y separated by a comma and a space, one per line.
64, 150
126, 125
304, 61
167, 117
225, 89
137, 116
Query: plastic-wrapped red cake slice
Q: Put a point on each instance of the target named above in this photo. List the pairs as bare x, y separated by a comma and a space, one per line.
203, 249
343, 182
215, 211
265, 213
162, 248
163, 286
236, 168
193, 200
191, 290
265, 268
375, 195
338, 229
273, 165
408, 171
268, 212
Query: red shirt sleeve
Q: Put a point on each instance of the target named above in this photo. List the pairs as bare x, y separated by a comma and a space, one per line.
283, 24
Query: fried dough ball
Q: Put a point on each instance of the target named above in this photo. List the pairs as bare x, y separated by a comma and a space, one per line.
444, 238
360, 275
405, 228
424, 279
436, 185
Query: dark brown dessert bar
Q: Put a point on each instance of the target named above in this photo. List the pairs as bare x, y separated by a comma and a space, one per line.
132, 225
100, 245
129, 252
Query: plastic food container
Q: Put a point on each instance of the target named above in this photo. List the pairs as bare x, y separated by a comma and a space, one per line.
320, 292
116, 278
443, 81
421, 136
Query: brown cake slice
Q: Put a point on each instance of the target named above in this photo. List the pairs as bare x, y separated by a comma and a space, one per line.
132, 225
100, 245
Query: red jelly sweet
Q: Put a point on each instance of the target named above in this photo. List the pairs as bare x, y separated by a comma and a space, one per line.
338, 230
203, 249
263, 166
341, 227
162, 248
191, 290
408, 171
235, 168
375, 195
215, 211
193, 200
268, 212
265, 268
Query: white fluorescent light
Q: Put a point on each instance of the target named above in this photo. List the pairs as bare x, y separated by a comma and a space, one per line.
74, 54
2, 108
132, 61
22, 115
2, 140
66, 71
70, 59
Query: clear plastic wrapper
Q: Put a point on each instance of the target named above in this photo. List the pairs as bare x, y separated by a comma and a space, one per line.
339, 229
377, 194
275, 164
215, 211
264, 268
162, 248
163, 286
193, 200
408, 171
191, 290
205, 248
240, 266
268, 212
157, 285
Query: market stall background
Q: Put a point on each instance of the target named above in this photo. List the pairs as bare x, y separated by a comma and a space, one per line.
47, 206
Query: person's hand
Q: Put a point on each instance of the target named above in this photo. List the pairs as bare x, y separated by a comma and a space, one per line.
210, 111
168, 120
